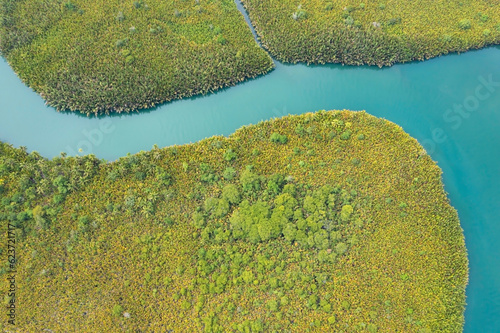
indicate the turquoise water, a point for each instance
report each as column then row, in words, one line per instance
column 420, row 97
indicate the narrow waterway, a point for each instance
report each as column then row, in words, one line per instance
column 242, row 10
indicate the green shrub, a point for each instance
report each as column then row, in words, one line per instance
column 249, row 180
column 231, row 193
column 257, row 326
column 139, row 175
column 349, row 9
column 393, row 21
column 447, row 38
column 229, row 173
column 210, row 204
column 57, row 199
column 221, row 39
column 168, row 221
column 331, row 135
column 486, row 32
column 464, row 24
column 222, row 208
column 230, row 155
column 217, row 30
column 62, row 184
column 185, row 305
column 121, row 42
column 340, row 248
column 23, row 216
column 129, row 60
column 38, row 215
column 198, row 220
column 327, row 307
column 254, row 234
column 207, row 175
column 278, row 138
column 163, row 178
column 381, row 6
column 117, row 310
column 483, row 17
column 312, row 301
column 247, row 276
column 346, row 135
column 346, row 212
column 290, row 189
column 299, row 129
column 70, row 6
column 289, row 232
column 275, row 183
column 273, row 305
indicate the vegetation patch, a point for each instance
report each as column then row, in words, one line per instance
column 355, row 33
column 109, row 56
column 311, row 232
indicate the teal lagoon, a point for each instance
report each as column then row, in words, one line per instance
column 450, row 104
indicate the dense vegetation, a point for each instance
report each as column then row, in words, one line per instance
column 373, row 32
column 325, row 222
column 114, row 56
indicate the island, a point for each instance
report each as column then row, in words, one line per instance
column 378, row 33
column 111, row 57
column 333, row 221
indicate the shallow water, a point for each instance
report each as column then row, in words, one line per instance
column 416, row 96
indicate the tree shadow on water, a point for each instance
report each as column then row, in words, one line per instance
column 162, row 105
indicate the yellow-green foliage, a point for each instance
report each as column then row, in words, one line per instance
column 373, row 32
column 163, row 239
column 105, row 56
